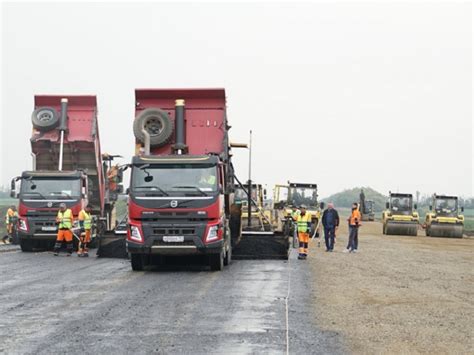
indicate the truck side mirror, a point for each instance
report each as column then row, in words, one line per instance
column 387, row 205
column 321, row 205
column 431, row 208
column 13, row 193
column 127, row 191
column 462, row 209
column 415, row 206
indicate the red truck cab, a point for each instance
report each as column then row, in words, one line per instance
column 182, row 179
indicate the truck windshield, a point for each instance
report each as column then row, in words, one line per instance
column 401, row 204
column 446, row 206
column 51, row 188
column 303, row 196
column 169, row 180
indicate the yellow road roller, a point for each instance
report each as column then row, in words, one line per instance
column 400, row 216
column 445, row 218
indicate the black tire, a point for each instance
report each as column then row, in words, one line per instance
column 427, row 231
column 137, row 262
column 45, row 118
column 157, row 123
column 384, row 231
column 26, row 245
column 228, row 256
column 216, row 261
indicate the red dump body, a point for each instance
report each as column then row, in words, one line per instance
column 81, row 142
column 205, row 117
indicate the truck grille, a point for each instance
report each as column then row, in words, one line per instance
column 174, row 231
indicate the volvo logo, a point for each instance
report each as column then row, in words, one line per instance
column 50, row 204
column 174, row 204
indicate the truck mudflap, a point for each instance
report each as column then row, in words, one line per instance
column 112, row 245
column 187, row 245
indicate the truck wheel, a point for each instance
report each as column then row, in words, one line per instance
column 216, row 261
column 157, row 123
column 228, row 256
column 45, row 118
column 137, row 262
column 26, row 245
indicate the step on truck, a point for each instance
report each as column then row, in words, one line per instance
column 68, row 167
column 182, row 179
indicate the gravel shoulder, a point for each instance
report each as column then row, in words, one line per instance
column 399, row 294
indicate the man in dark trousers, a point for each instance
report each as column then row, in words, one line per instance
column 330, row 224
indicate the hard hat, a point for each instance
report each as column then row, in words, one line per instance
column 303, row 206
column 62, row 204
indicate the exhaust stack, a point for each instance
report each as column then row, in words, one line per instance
column 180, row 146
column 62, row 128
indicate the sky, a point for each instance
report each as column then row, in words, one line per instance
column 339, row 94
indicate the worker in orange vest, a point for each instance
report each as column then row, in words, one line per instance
column 354, row 224
column 112, row 176
column 85, row 222
column 64, row 220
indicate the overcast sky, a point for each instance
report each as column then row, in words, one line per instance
column 339, row 94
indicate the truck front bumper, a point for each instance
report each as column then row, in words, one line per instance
column 192, row 245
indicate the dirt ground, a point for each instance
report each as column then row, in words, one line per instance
column 398, row 294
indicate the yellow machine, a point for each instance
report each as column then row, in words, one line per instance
column 259, row 217
column 444, row 218
column 400, row 216
column 293, row 195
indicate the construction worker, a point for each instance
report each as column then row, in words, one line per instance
column 295, row 212
column 330, row 223
column 85, row 222
column 112, row 176
column 207, row 179
column 64, row 220
column 11, row 218
column 303, row 224
column 354, row 224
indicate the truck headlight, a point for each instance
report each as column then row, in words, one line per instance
column 22, row 225
column 135, row 234
column 212, row 234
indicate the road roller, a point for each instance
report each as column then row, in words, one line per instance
column 400, row 216
column 444, row 218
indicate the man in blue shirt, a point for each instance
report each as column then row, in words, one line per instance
column 330, row 224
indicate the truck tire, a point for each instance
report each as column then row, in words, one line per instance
column 45, row 118
column 26, row 245
column 157, row 123
column 216, row 261
column 137, row 262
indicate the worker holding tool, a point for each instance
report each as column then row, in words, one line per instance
column 354, row 224
column 11, row 218
column 330, row 224
column 64, row 221
column 303, row 223
column 85, row 222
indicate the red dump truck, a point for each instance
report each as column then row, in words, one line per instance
column 67, row 167
column 182, row 179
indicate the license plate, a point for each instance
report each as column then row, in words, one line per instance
column 49, row 229
column 173, row 239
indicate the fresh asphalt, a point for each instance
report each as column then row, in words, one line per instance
column 52, row 305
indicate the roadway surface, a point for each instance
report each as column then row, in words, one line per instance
column 51, row 305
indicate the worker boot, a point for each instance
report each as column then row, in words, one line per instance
column 57, row 247
column 69, row 249
column 300, row 257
